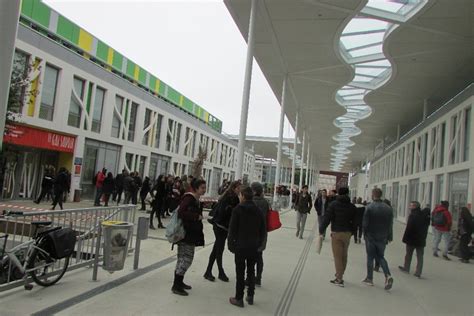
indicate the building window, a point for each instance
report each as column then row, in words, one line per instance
column 19, row 72
column 146, row 124
column 173, row 136
column 129, row 161
column 97, row 111
column 75, row 108
column 116, row 121
column 132, row 124
column 159, row 122
column 48, row 93
column 467, row 134
column 443, row 144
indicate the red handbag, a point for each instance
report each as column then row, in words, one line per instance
column 273, row 220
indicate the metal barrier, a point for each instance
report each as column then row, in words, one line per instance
column 85, row 222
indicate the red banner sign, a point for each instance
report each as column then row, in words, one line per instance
column 31, row 137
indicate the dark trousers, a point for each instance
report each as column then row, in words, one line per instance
column 106, row 199
column 155, row 211
column 358, row 232
column 134, row 198
column 464, row 246
column 44, row 192
column 419, row 258
column 259, row 265
column 58, row 199
column 376, row 251
column 142, row 198
column 118, row 195
column 217, row 250
column 98, row 195
column 245, row 258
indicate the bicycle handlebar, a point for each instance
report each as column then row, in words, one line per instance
column 14, row 213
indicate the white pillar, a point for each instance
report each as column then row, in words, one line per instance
column 293, row 162
column 280, row 137
column 246, row 93
column 9, row 17
column 307, row 164
column 302, row 160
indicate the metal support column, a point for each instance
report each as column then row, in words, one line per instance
column 293, row 162
column 307, row 163
column 246, row 93
column 302, row 160
column 280, row 138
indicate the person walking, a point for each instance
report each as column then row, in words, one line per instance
column 108, row 188
column 119, row 186
column 321, row 205
column 145, row 189
column 221, row 219
column 60, row 186
column 158, row 195
column 128, row 189
column 264, row 207
column 46, row 185
column 465, row 227
column 341, row 215
column 414, row 237
column 136, row 185
column 190, row 212
column 378, row 231
column 247, row 233
column 359, row 216
column 303, row 208
column 441, row 221
column 99, row 182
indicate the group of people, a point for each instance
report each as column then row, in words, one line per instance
column 55, row 186
column 238, row 217
column 374, row 221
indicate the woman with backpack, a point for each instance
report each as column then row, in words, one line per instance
column 190, row 212
column 221, row 220
column 158, row 194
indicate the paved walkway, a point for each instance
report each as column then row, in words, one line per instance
column 295, row 282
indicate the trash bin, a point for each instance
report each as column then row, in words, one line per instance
column 117, row 236
column 77, row 195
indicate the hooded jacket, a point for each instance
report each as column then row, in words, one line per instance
column 417, row 228
column 448, row 218
column 247, row 227
column 341, row 214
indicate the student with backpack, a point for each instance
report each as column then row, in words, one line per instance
column 221, row 219
column 441, row 220
column 190, row 213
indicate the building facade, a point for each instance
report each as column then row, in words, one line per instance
column 85, row 114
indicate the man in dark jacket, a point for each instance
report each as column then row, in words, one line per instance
column 119, row 186
column 341, row 214
column 321, row 205
column 303, row 208
column 46, row 185
column 264, row 207
column 128, row 189
column 378, row 231
column 60, row 186
column 415, row 237
column 246, row 235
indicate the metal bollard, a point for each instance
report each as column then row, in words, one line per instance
column 142, row 234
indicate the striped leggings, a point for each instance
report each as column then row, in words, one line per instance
column 185, row 258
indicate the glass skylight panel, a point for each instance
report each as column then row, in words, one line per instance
column 377, row 63
column 367, row 51
column 362, row 39
column 354, row 97
column 362, row 79
column 369, row 71
column 392, row 6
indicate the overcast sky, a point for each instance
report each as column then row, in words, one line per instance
column 192, row 45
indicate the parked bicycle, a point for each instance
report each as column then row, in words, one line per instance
column 45, row 257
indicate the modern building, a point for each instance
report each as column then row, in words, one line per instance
column 89, row 107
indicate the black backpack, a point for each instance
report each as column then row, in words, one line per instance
column 439, row 219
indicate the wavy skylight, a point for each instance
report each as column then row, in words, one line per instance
column 361, row 46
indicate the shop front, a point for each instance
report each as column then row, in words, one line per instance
column 29, row 152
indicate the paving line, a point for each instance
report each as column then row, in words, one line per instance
column 288, row 294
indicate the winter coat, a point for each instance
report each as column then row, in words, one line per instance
column 318, row 205
column 448, row 218
column 341, row 213
column 119, row 182
column 247, row 227
column 47, row 182
column 108, row 186
column 264, row 207
column 145, row 188
column 100, row 177
column 158, row 193
column 224, row 211
column 378, row 222
column 465, row 225
column 417, row 228
column 128, row 184
column 61, row 183
column 189, row 211
column 304, row 203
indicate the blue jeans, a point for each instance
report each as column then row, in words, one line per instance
column 98, row 195
column 375, row 251
column 438, row 235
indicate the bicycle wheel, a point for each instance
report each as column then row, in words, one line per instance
column 46, row 270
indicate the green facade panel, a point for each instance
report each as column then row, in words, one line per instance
column 162, row 89
column 41, row 13
column 117, row 61
column 142, row 76
column 102, row 51
column 173, row 95
column 152, row 83
column 66, row 29
column 188, row 105
column 27, row 8
column 130, row 68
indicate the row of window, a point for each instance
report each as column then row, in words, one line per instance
column 86, row 107
column 430, row 150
